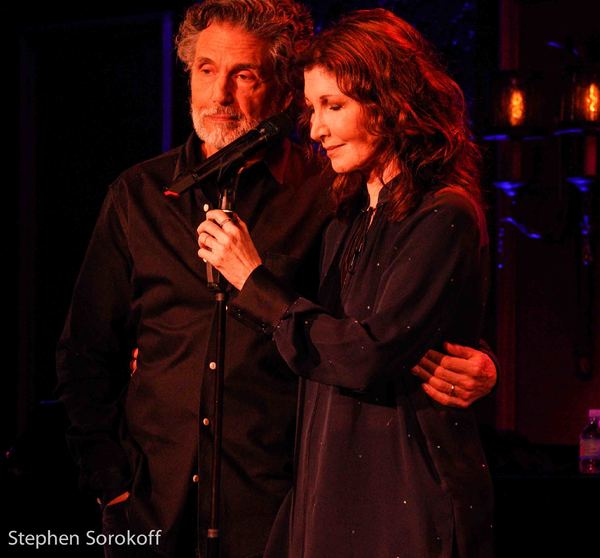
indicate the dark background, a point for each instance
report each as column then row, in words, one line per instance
column 95, row 87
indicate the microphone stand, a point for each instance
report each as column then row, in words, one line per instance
column 219, row 286
column 226, row 164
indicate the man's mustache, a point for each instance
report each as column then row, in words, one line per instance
column 220, row 112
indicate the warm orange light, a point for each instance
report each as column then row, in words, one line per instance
column 516, row 107
column 591, row 102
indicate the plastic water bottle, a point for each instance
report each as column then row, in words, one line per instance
column 589, row 445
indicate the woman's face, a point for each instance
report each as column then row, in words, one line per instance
column 338, row 123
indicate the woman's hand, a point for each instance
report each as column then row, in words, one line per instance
column 225, row 243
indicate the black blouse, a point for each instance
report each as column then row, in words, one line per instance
column 382, row 469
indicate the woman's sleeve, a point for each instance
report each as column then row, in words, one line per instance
column 418, row 297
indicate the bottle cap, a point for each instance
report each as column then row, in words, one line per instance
column 594, row 413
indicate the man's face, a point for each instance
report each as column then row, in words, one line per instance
column 232, row 86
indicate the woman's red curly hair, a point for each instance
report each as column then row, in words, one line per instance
column 410, row 102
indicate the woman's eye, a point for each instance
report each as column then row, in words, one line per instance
column 335, row 107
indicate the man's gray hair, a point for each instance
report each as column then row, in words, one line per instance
column 285, row 24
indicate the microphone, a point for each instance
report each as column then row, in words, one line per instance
column 234, row 155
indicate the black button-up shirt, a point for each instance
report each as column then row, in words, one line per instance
column 142, row 284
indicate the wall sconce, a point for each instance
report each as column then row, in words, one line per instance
column 581, row 99
column 580, row 126
column 579, row 137
column 579, row 132
column 514, row 106
column 515, row 119
column 516, row 127
column 515, row 130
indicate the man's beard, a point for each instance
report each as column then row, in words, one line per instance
column 220, row 134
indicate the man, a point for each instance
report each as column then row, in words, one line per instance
column 143, row 443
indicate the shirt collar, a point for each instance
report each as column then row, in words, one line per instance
column 277, row 160
column 386, row 191
column 191, row 156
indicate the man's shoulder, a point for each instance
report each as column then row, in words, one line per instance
column 302, row 159
column 308, row 172
column 157, row 171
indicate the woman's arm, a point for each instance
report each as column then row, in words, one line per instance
column 415, row 305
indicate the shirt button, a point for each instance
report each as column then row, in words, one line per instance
column 206, row 207
column 212, row 365
column 205, row 421
column 196, row 478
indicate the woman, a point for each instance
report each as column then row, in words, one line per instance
column 382, row 470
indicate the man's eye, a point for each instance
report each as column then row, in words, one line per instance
column 245, row 77
column 205, row 70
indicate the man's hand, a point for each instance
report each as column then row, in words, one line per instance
column 120, row 498
column 457, row 379
column 117, row 500
column 133, row 361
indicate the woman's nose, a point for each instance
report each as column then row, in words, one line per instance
column 318, row 129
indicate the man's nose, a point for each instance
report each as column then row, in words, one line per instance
column 222, row 92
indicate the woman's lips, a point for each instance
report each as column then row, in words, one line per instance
column 331, row 149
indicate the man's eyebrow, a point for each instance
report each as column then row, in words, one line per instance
column 241, row 66
column 247, row 66
column 203, row 60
